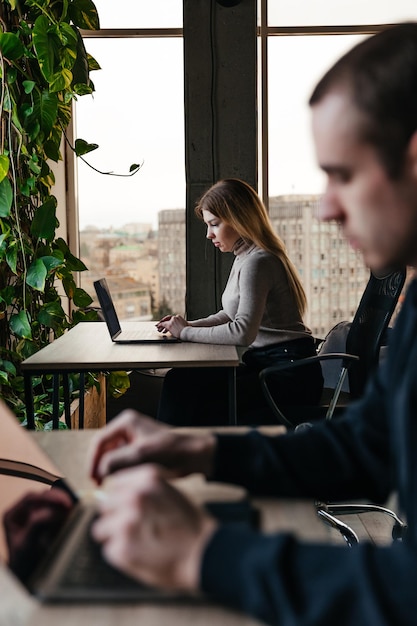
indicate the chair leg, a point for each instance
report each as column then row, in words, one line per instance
column 347, row 533
column 399, row 529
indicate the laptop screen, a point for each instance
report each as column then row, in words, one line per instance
column 107, row 306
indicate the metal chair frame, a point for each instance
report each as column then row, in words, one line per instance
column 363, row 343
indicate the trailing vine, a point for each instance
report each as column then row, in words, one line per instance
column 44, row 67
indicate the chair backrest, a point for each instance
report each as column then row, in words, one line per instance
column 369, row 325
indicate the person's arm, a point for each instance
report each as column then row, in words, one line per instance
column 133, row 439
column 152, row 532
column 348, row 457
column 176, row 323
column 284, row 582
column 256, row 279
column 211, row 320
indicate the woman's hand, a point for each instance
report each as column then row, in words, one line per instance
column 133, row 438
column 173, row 324
column 150, row 531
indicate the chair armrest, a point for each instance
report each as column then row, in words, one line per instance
column 347, row 359
column 350, row 358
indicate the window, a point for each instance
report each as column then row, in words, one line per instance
column 132, row 229
column 136, row 116
column 300, row 40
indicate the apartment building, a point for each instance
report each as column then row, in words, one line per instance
column 334, row 276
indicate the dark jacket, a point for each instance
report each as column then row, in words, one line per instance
column 368, row 453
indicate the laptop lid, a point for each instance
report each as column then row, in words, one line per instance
column 139, row 332
column 107, row 307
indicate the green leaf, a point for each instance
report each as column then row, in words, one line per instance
column 7, row 295
column 134, row 167
column 92, row 63
column 81, row 89
column 60, row 81
column 50, row 262
column 44, row 222
column 28, row 86
column 84, row 316
column 4, row 166
column 72, row 263
column 51, row 315
column 8, row 366
column 27, row 186
column 20, row 324
column 11, row 257
column 118, row 383
column 10, row 46
column 82, row 298
column 84, row 14
column 69, row 285
column 52, row 150
column 80, row 69
column 26, row 347
column 6, row 197
column 47, row 45
column 34, row 164
column 45, row 110
column 58, row 254
column 82, row 147
column 36, row 275
column 68, row 36
column 11, row 75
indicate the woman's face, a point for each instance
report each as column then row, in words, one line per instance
column 221, row 234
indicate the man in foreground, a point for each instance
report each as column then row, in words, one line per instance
column 364, row 115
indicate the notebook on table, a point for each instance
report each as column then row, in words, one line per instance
column 140, row 334
column 68, row 567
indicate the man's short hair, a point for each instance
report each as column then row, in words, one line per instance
column 380, row 75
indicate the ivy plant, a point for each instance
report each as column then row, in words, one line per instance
column 44, row 67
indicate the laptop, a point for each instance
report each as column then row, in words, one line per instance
column 71, row 568
column 141, row 333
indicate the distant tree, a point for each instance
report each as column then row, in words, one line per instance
column 162, row 309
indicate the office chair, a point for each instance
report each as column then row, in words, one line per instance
column 364, row 339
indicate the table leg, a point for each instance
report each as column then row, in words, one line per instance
column 67, row 403
column 232, row 397
column 55, row 401
column 81, row 404
column 30, row 412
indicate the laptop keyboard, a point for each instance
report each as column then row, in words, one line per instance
column 141, row 334
column 88, row 569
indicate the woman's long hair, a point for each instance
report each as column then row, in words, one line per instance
column 235, row 202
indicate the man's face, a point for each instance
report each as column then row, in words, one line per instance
column 378, row 215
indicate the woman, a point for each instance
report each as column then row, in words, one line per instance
column 263, row 306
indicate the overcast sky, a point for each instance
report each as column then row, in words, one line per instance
column 136, row 113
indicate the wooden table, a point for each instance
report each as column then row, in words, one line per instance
column 69, row 451
column 88, row 348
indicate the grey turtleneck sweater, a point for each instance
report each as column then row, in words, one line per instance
column 258, row 307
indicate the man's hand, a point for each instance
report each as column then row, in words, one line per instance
column 150, row 531
column 133, row 438
column 31, row 525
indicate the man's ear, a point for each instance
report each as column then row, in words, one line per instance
column 412, row 154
